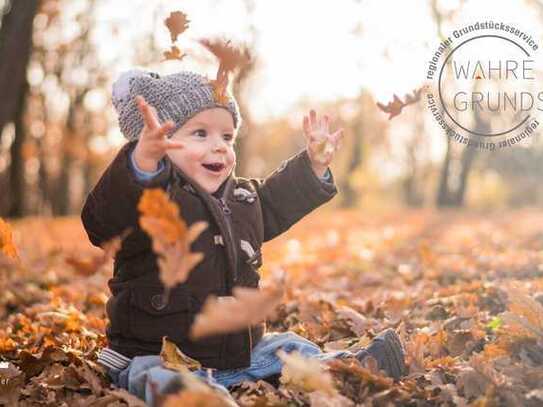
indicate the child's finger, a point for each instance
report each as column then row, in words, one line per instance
column 149, row 118
column 164, row 129
column 338, row 136
column 326, row 124
column 313, row 118
column 307, row 129
column 173, row 145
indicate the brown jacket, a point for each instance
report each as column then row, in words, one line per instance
column 250, row 212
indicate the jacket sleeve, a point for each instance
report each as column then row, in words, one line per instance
column 290, row 192
column 111, row 207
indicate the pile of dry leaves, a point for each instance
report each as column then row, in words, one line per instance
column 464, row 292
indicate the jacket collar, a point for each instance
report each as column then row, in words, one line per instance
column 185, row 181
column 212, row 201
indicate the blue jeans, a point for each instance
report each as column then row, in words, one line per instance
column 136, row 377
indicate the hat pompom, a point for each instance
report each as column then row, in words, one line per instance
column 121, row 87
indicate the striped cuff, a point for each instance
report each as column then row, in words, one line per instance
column 113, row 360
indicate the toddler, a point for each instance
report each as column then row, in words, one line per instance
column 181, row 139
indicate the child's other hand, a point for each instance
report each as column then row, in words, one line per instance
column 152, row 143
column 321, row 145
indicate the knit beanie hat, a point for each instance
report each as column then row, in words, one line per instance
column 176, row 97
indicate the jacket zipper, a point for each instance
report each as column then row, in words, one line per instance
column 227, row 212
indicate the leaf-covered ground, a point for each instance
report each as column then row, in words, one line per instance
column 464, row 290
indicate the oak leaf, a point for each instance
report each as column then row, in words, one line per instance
column 395, row 107
column 230, row 58
column 248, row 306
column 174, row 53
column 173, row 358
column 177, row 23
column 171, row 236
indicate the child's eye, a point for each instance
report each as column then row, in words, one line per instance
column 200, row 133
column 228, row 137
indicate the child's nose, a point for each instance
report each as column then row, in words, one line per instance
column 220, row 145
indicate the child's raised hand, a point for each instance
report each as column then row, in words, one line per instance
column 152, row 143
column 321, row 145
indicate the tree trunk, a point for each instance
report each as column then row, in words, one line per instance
column 61, row 200
column 16, row 169
column 444, row 193
column 15, row 49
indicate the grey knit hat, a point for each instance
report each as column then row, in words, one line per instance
column 176, row 97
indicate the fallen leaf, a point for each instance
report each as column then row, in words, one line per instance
column 173, row 358
column 129, row 398
column 7, row 247
column 195, row 398
column 11, row 380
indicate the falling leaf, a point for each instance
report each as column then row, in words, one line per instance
column 230, row 58
column 89, row 266
column 304, row 373
column 247, row 307
column 7, row 247
column 174, row 53
column 177, row 23
column 395, row 107
column 170, row 235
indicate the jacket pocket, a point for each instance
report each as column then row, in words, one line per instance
column 152, row 316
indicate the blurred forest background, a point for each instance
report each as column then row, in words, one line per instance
column 58, row 129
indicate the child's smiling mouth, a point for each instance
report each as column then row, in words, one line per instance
column 214, row 167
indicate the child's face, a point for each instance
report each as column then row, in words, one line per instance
column 208, row 156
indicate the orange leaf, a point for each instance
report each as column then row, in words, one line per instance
column 171, row 236
column 7, row 247
column 247, row 307
column 174, row 53
column 177, row 23
column 230, row 59
column 395, row 107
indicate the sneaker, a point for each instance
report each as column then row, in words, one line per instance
column 387, row 350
